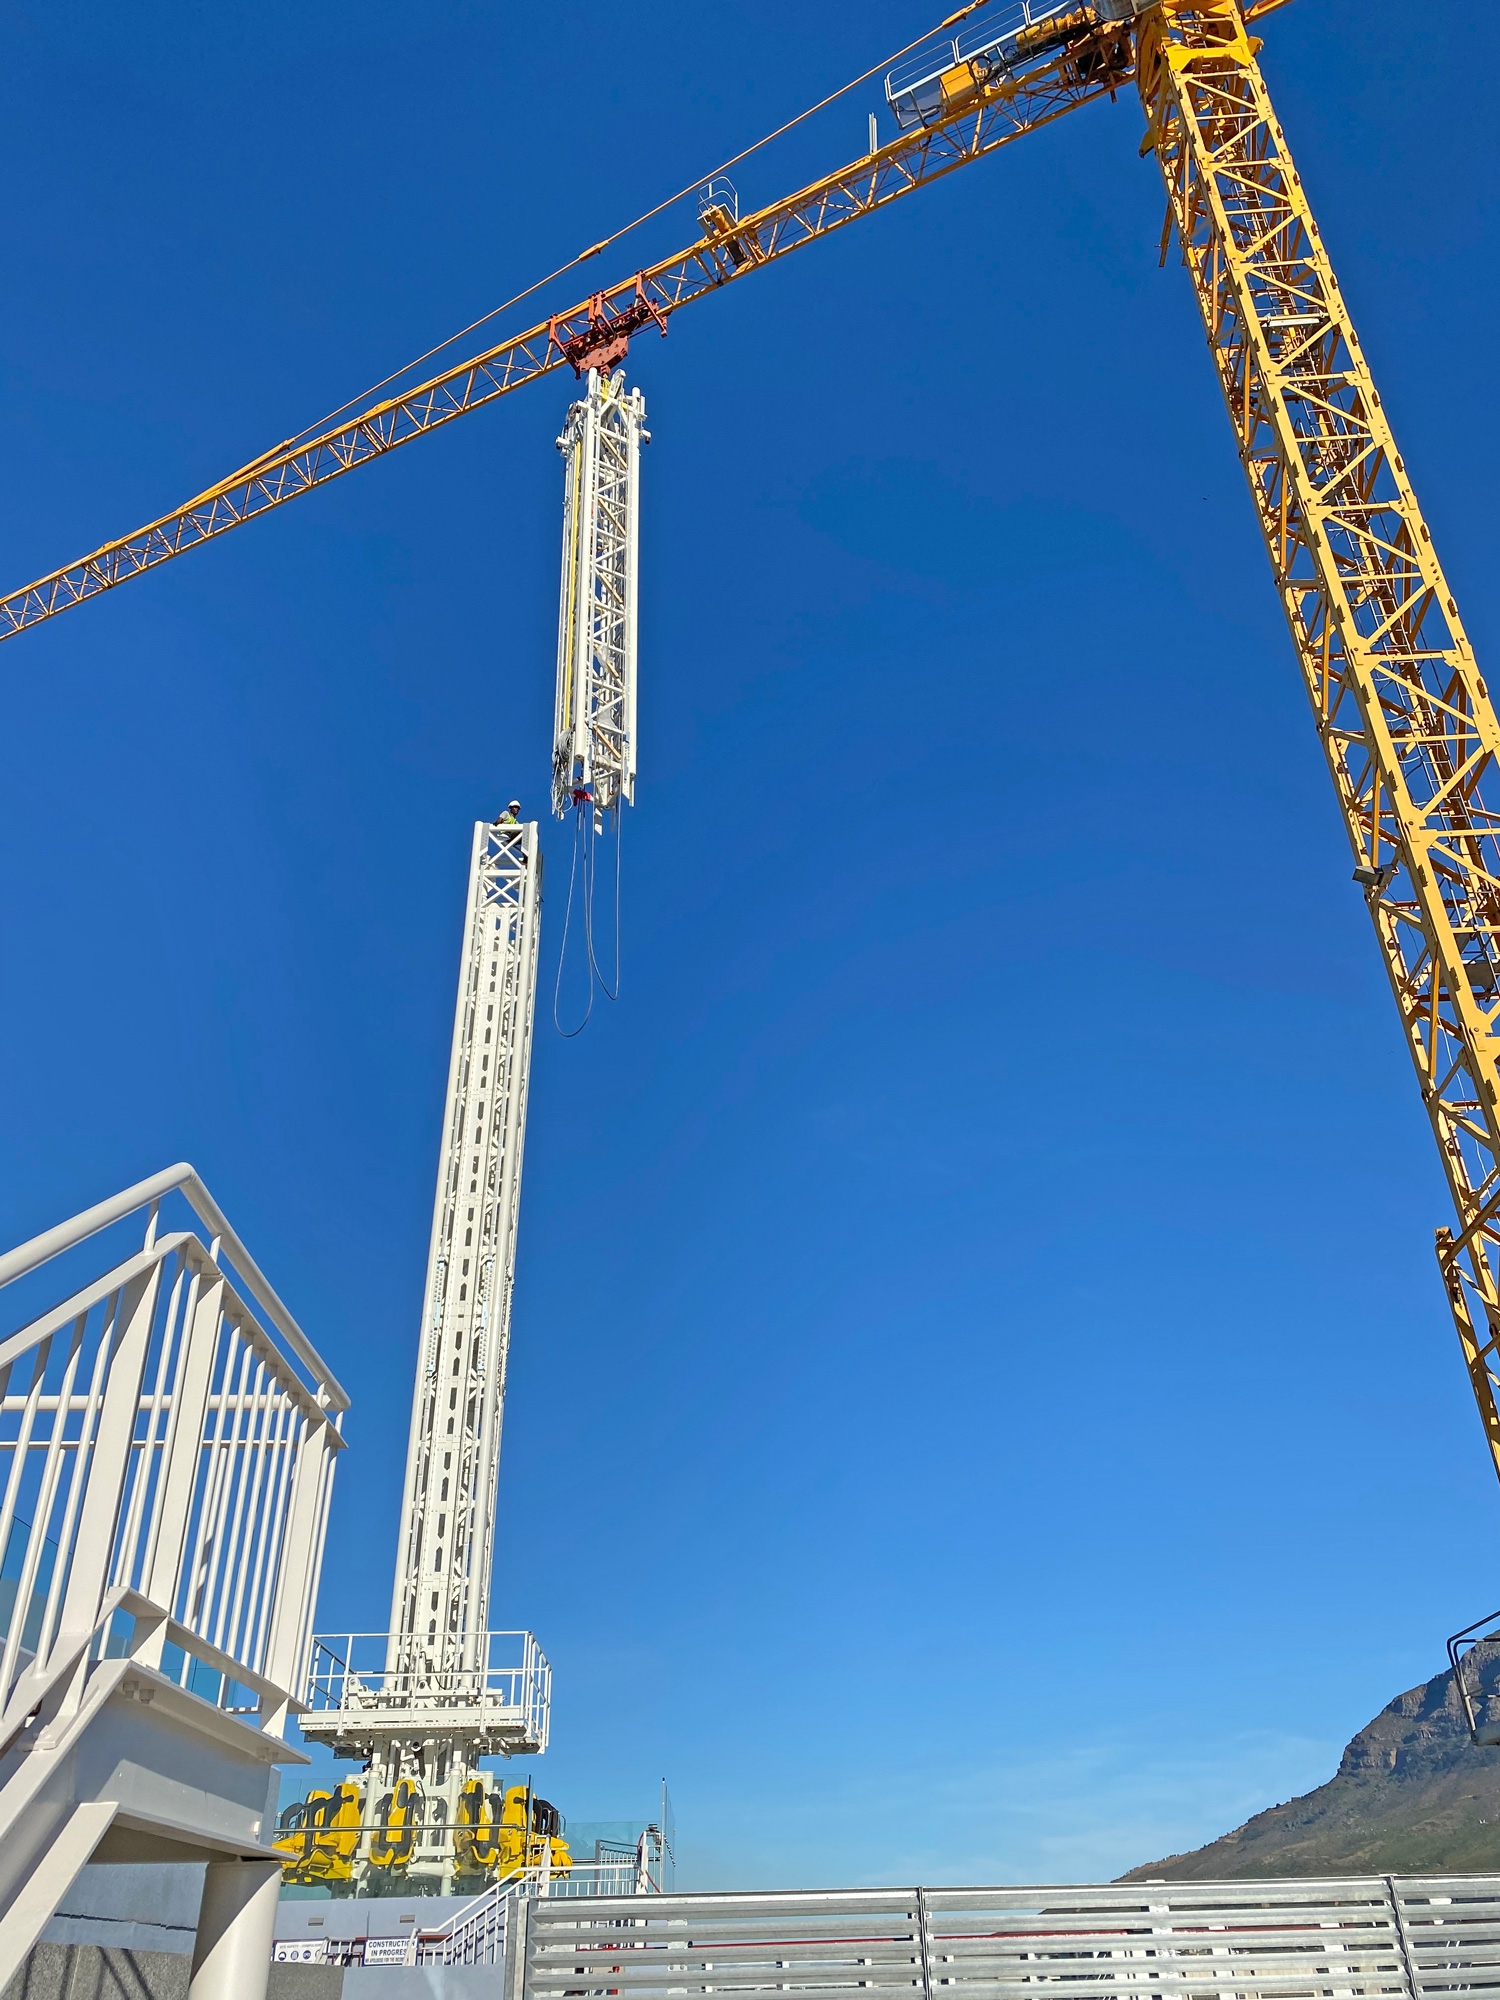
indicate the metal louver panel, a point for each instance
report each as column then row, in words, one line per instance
column 1359, row 1939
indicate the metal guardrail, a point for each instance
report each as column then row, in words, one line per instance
column 911, row 88
column 473, row 1935
column 165, row 1467
column 385, row 1681
column 148, row 1195
column 476, row 1936
column 1366, row 1938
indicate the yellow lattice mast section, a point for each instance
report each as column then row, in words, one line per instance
column 1402, row 711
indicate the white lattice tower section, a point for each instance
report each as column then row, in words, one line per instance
column 594, row 745
column 440, row 1607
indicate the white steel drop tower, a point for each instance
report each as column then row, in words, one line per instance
column 440, row 1604
column 423, row 1702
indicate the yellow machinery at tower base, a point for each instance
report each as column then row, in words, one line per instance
column 496, row 1837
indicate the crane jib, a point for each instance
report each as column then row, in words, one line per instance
column 1094, row 67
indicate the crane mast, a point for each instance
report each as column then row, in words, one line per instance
column 1404, row 715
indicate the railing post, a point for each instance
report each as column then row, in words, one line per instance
column 149, row 1638
column 517, row 1946
column 184, row 1448
column 1403, row 1939
column 105, row 1463
column 289, row 1638
column 923, row 1944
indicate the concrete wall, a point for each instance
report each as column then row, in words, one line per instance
column 113, row 1972
column 101, row 1972
column 305, row 1982
column 130, row 1906
column 125, row 1931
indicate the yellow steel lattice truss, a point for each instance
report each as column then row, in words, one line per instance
column 1404, row 716
column 597, row 329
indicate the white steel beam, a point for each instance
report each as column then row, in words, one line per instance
column 595, row 740
column 440, row 1606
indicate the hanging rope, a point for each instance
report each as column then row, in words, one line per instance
column 604, row 988
column 562, row 957
column 594, row 249
column 585, row 848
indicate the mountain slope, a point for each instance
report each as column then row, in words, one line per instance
column 1411, row 1795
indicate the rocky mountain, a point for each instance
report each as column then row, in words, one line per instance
column 1412, row 1794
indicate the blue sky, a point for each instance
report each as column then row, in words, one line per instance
column 982, row 1407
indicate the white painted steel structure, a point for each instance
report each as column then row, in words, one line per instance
column 1375, row 1937
column 167, row 1442
column 594, row 744
column 440, row 1605
column 426, row 1700
column 501, row 1701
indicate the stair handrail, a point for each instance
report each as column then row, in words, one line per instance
column 182, row 1178
column 172, row 1481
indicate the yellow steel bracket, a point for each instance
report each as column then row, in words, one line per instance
column 1158, row 50
column 1239, row 48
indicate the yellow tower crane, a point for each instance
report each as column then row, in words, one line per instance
column 1400, row 707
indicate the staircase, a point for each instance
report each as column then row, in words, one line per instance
column 167, row 1443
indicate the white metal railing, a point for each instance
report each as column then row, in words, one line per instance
column 475, row 1935
column 166, row 1462
column 719, row 192
column 618, row 1876
column 509, row 1687
column 911, row 88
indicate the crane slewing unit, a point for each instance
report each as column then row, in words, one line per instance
column 423, row 1702
column 593, row 753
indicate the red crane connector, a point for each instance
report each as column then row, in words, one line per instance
column 605, row 339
